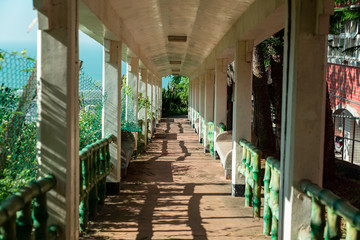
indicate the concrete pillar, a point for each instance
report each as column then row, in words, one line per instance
column 197, row 104
column 209, row 101
column 241, row 109
column 220, row 102
column 303, row 113
column 133, row 82
column 192, row 93
column 202, row 105
column 156, row 99
column 194, row 102
column 149, row 94
column 58, row 109
column 160, row 98
column 189, row 102
column 111, row 120
column 143, row 90
column 195, row 94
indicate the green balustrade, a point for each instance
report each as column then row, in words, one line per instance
column 336, row 208
column 95, row 167
column 26, row 210
column 271, row 197
column 211, row 137
column 250, row 169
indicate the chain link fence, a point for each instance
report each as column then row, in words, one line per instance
column 18, row 118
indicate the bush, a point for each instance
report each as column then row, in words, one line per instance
column 175, row 97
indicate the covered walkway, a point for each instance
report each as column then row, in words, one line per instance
column 175, row 191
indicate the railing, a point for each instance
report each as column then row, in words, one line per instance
column 271, row 197
column 336, row 207
column 95, row 167
column 250, row 169
column 26, row 210
column 211, row 137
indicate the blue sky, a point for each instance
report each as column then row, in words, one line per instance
column 15, row 18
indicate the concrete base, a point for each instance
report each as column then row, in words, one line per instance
column 238, row 190
column 112, row 188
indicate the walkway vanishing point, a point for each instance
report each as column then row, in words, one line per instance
column 175, row 191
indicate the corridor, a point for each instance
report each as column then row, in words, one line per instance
column 175, row 191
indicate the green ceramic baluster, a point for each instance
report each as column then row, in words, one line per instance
column 317, row 219
column 267, row 210
column 274, row 200
column 248, row 190
column 332, row 229
column 351, row 232
column 10, row 228
column 93, row 189
column 24, row 222
column 257, row 182
column 102, row 183
column 40, row 217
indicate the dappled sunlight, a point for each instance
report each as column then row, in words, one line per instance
column 175, row 190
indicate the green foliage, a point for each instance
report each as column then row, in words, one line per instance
column 340, row 17
column 21, row 165
column 91, row 102
column 128, row 117
column 144, row 102
column 89, row 123
column 175, row 97
column 20, row 158
column 272, row 46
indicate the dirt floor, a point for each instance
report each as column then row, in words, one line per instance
column 175, row 191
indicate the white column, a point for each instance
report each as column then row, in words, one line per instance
column 156, row 99
column 220, row 95
column 189, row 102
column 149, row 94
column 197, row 98
column 303, row 113
column 160, row 98
column 209, row 101
column 195, row 94
column 143, row 90
column 133, row 82
column 202, row 104
column 192, row 104
column 241, row 110
column 111, row 119
column 58, row 109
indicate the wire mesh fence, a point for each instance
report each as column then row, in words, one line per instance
column 128, row 115
column 18, row 129
column 18, row 118
column 91, row 102
column 347, row 138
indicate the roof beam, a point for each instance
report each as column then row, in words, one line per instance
column 261, row 20
column 99, row 16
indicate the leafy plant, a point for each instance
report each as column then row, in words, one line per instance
column 175, row 97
